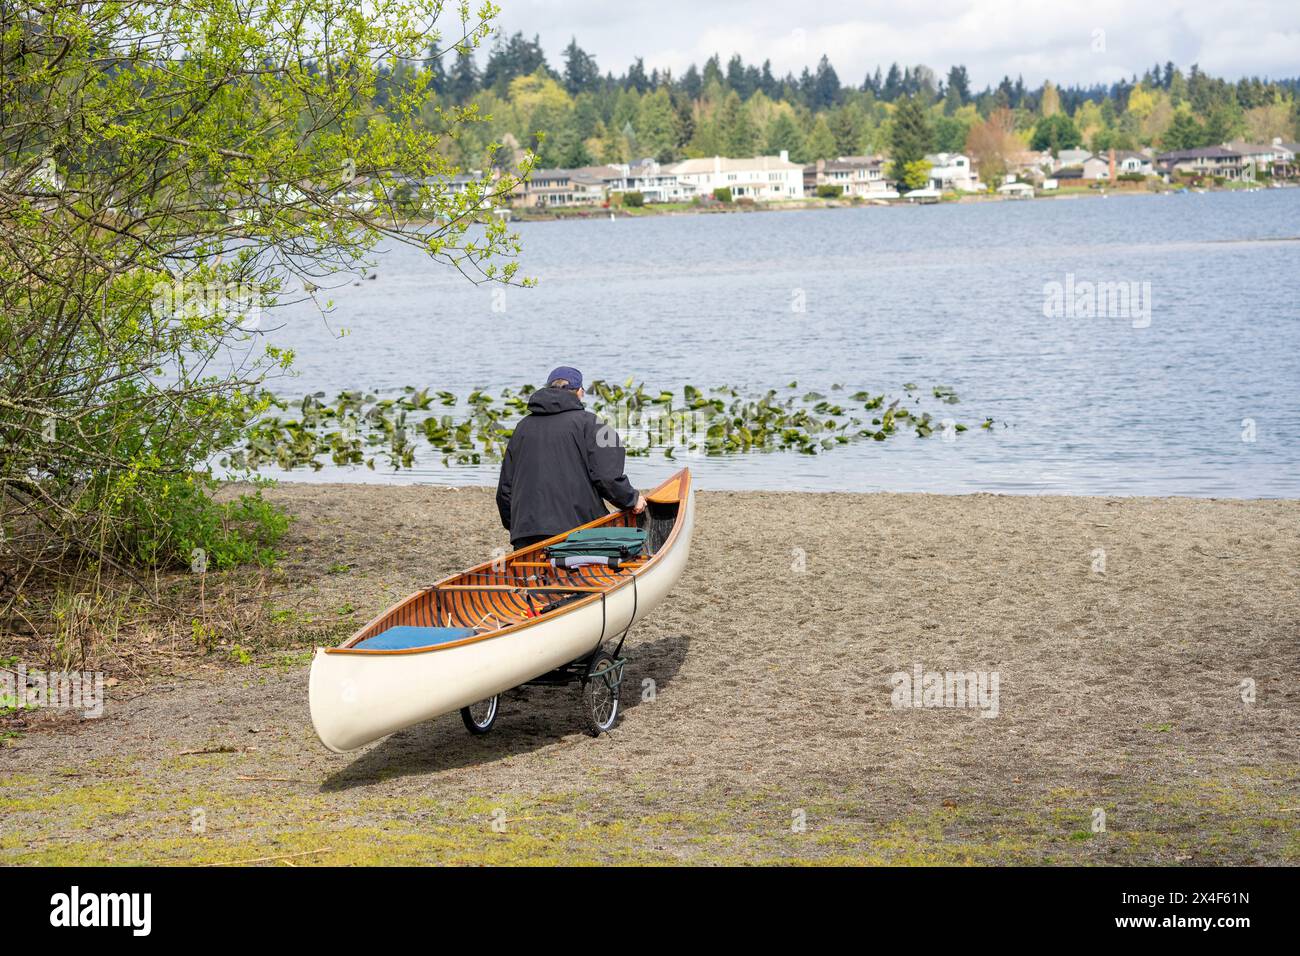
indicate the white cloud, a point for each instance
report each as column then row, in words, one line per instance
column 991, row 37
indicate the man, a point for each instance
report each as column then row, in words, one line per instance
column 560, row 463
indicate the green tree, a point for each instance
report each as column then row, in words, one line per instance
column 916, row 174
column 1056, row 132
column 847, row 125
column 784, row 134
column 958, row 92
column 1221, row 125
column 172, row 173
column 820, row 143
column 910, row 135
column 950, row 134
column 580, row 70
column 656, row 126
column 739, row 134
column 1184, row 132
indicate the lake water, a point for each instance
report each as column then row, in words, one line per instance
column 1153, row 404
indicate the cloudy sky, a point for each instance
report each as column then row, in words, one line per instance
column 1067, row 41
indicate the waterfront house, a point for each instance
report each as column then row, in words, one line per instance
column 458, row 184
column 1071, row 157
column 761, row 178
column 1274, row 158
column 1096, row 168
column 1031, row 164
column 550, row 188
column 1090, row 169
column 1285, row 166
column 1129, row 161
column 591, row 184
column 1207, row 161
column 952, row 171
column 647, row 177
column 860, row 176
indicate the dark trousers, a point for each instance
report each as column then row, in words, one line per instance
column 526, row 540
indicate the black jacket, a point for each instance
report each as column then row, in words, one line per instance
column 560, row 462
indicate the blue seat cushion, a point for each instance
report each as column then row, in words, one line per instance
column 405, row 635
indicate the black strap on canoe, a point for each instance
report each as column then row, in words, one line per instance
column 602, row 621
column 630, row 622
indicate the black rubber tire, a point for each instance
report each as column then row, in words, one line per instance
column 601, row 697
column 480, row 726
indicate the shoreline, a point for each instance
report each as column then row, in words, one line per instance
column 815, row 203
column 367, row 479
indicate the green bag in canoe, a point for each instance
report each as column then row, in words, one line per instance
column 619, row 543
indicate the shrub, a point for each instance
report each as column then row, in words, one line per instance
column 185, row 523
column 829, row 191
column 633, row 200
column 722, row 194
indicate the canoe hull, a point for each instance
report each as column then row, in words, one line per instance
column 358, row 698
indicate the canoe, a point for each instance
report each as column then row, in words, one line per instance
column 493, row 627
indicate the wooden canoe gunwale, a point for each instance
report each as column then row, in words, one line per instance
column 665, row 493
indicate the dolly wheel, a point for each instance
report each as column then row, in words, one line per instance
column 481, row 717
column 600, row 694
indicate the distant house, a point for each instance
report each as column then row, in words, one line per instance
column 549, row 188
column 1276, row 158
column 1031, row 164
column 827, row 172
column 1128, row 161
column 456, row 185
column 861, row 176
column 1090, row 168
column 1071, row 157
column 1095, row 167
column 1287, row 164
column 762, row 178
column 1207, row 161
column 656, row 183
column 952, row 171
column 590, row 185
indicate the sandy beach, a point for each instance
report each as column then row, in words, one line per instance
column 1145, row 653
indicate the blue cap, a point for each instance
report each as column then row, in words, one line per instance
column 567, row 374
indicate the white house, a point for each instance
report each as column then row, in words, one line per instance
column 656, row 183
column 1127, row 161
column 762, row 178
column 952, row 171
